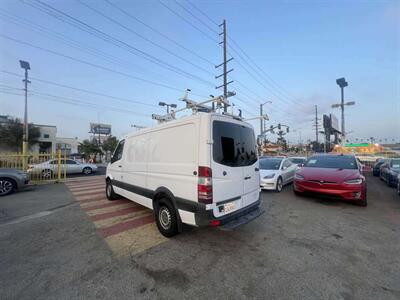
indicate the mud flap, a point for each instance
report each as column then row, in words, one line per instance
column 242, row 219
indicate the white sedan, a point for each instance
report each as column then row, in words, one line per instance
column 48, row 168
column 275, row 172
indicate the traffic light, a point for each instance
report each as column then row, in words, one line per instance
column 287, row 129
column 279, row 126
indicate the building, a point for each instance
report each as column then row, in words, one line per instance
column 47, row 140
column 67, row 146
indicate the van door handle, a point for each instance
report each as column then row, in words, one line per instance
column 247, row 177
column 119, row 166
column 256, row 169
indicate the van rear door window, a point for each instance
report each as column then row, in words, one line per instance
column 234, row 145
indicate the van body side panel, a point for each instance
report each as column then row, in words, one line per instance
column 173, row 159
column 135, row 168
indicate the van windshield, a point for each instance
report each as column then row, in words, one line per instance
column 234, row 144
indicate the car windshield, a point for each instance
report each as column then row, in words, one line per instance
column 297, row 160
column 395, row 164
column 270, row 163
column 333, row 162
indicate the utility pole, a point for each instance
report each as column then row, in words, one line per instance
column 25, row 136
column 224, row 65
column 261, row 120
column 316, row 123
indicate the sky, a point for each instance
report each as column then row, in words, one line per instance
column 131, row 55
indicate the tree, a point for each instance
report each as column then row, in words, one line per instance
column 110, row 144
column 89, row 148
column 11, row 134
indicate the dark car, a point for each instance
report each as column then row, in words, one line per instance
column 337, row 176
column 11, row 180
column 390, row 171
column 398, row 184
column 376, row 169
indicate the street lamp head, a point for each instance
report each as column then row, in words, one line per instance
column 161, row 103
column 173, row 105
column 350, row 103
column 341, row 82
column 24, row 65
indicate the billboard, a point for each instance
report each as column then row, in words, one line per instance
column 334, row 123
column 98, row 128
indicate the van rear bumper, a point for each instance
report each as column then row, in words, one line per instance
column 232, row 220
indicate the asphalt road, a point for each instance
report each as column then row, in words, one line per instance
column 301, row 248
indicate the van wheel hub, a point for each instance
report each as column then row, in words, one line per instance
column 164, row 216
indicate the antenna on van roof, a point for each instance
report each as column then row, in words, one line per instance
column 216, row 102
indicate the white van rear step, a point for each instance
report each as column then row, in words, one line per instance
column 242, row 219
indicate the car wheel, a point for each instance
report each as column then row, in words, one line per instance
column 111, row 195
column 279, row 185
column 7, row 186
column 362, row 202
column 47, row 173
column 389, row 182
column 166, row 218
column 87, row 170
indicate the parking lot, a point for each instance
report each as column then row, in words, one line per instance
column 66, row 241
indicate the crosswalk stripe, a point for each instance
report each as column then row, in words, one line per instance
column 93, row 196
column 118, row 219
column 100, row 185
column 120, row 227
column 116, row 213
column 114, row 203
column 93, row 200
column 89, row 192
column 85, row 185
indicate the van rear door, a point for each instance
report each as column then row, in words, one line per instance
column 233, row 158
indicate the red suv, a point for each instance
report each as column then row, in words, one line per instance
column 338, row 176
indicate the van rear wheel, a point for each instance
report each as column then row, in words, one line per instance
column 166, row 218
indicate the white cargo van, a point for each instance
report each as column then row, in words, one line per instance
column 198, row 170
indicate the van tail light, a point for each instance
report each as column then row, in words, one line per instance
column 204, row 185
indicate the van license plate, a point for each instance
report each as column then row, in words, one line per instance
column 228, row 207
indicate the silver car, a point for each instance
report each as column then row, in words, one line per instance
column 70, row 166
column 275, row 172
column 12, row 180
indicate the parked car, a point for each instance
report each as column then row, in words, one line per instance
column 50, row 167
column 390, row 170
column 338, row 176
column 275, row 172
column 377, row 166
column 12, row 180
column 299, row 161
column 200, row 170
column 398, row 185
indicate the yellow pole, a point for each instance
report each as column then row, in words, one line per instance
column 65, row 165
column 25, row 156
column 59, row 165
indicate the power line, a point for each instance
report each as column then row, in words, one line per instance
column 94, row 65
column 145, row 38
column 83, row 90
column 159, row 33
column 245, row 61
column 80, row 102
column 43, row 31
column 50, row 10
column 188, row 22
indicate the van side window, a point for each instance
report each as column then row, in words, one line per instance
column 118, row 151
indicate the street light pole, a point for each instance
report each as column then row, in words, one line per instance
column 261, row 119
column 25, row 136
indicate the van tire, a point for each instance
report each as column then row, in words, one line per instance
column 111, row 195
column 166, row 217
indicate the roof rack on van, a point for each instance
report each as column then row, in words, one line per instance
column 216, row 102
